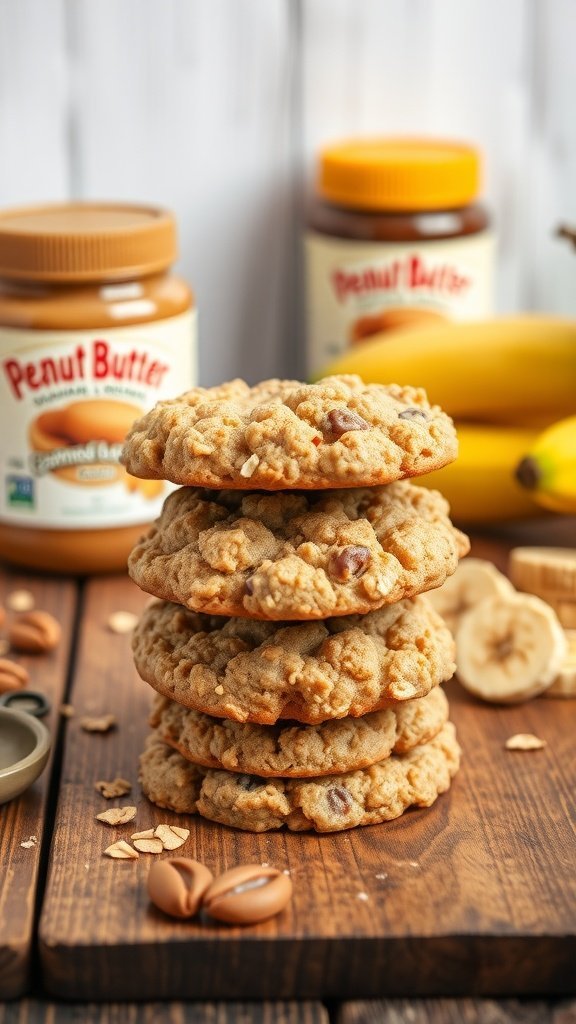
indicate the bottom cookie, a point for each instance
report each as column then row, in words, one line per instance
column 332, row 803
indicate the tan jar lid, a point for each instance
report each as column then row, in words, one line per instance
column 85, row 241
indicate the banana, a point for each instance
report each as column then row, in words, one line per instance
column 550, row 573
column 496, row 371
column 565, row 683
column 509, row 648
column 548, row 469
column 474, row 579
column 480, row 486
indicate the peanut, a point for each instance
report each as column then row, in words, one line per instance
column 34, row 632
column 12, row 676
column 176, row 885
column 247, row 894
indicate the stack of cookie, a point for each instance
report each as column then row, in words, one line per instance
column 296, row 666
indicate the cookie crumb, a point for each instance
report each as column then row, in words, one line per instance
column 219, row 689
column 20, row 601
column 122, row 622
column 117, row 815
column 109, row 790
column 100, row 723
column 524, row 741
column 362, row 896
column 66, row 711
column 121, row 851
column 29, row 843
column 381, row 876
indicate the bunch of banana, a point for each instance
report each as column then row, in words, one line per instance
column 504, row 381
column 548, row 470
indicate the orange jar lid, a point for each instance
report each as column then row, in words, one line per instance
column 399, row 174
column 85, row 241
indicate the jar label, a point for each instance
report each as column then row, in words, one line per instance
column 357, row 289
column 67, row 401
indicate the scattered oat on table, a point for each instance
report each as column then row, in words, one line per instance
column 149, row 845
column 524, row 741
column 117, row 815
column 122, row 622
column 20, row 601
column 171, row 836
column 109, row 790
column 101, row 723
column 121, row 851
column 148, row 833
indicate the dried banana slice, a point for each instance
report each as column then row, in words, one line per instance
column 565, row 683
column 550, row 573
column 474, row 579
column 509, row 648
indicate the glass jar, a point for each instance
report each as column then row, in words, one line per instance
column 395, row 238
column 94, row 330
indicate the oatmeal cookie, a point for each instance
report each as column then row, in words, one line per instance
column 297, row 555
column 253, row 671
column 339, row 432
column 328, row 803
column 339, row 745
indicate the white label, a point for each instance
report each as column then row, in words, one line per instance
column 356, row 289
column 67, row 400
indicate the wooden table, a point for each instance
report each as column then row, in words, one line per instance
column 475, row 897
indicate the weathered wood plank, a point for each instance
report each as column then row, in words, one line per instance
column 475, row 895
column 27, row 816
column 35, row 86
column 456, row 1011
column 39, row 1012
column 195, row 111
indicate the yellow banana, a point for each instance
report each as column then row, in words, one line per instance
column 548, row 468
column 508, row 370
column 480, row 486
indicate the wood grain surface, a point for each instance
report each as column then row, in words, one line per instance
column 27, row 816
column 38, row 1012
column 476, row 895
column 456, row 1011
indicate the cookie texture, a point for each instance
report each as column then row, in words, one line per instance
column 339, row 745
column 255, row 671
column 297, row 555
column 282, row 433
column 329, row 803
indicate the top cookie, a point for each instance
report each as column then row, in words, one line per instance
column 284, row 434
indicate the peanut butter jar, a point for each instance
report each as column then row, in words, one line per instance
column 395, row 239
column 94, row 330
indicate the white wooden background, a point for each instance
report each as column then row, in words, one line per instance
column 216, row 107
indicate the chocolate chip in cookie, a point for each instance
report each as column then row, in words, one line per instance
column 350, row 563
column 340, row 421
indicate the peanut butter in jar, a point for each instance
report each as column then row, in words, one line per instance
column 396, row 239
column 94, row 330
